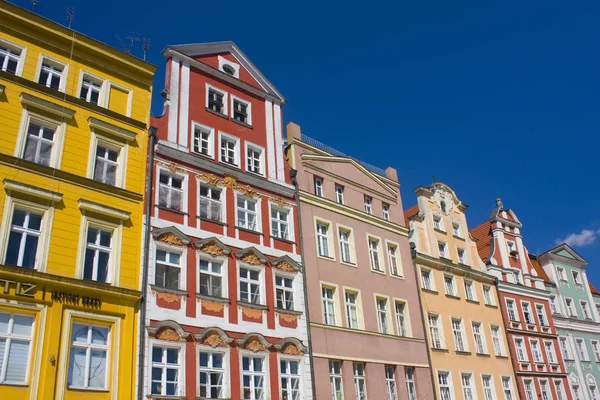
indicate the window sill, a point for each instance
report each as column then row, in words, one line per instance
column 14, row 384
column 278, row 239
column 289, row 312
column 259, row 174
column 465, row 353
column 167, row 290
column 440, row 231
column 241, row 123
column 158, row 397
column 502, row 356
column 170, row 210
column 207, row 156
column 377, row 271
column 232, row 165
column 218, row 114
column 451, row 296
column 430, row 291
column 472, row 301
column 213, row 221
column 223, row 300
column 248, row 230
column 458, row 237
column 350, row 264
column 252, row 305
column 439, row 349
column 326, row 257
column 483, row 354
column 397, row 276
column 491, row 305
column 87, row 390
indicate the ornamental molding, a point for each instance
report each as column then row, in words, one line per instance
column 171, row 235
column 251, row 312
column 213, row 306
column 252, row 256
column 291, row 346
column 254, row 342
column 212, row 246
column 167, row 297
column 214, row 337
column 169, row 331
column 173, row 167
column 286, row 264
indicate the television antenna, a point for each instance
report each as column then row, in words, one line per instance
column 132, row 42
column 34, row 3
column 70, row 15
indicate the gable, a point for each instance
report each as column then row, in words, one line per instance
column 564, row 250
column 565, row 253
column 213, row 61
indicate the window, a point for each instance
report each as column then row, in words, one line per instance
column 229, row 68
column 409, row 377
column 386, row 211
column 401, row 318
column 106, row 165
column 241, row 111
column 382, row 315
column 250, row 286
column 536, row 351
column 390, row 382
column 487, row 295
column 97, row 254
column 210, row 203
column 561, row 273
column 393, row 260
column 39, row 143
column 529, row 389
column 434, row 331
column 449, row 285
column 211, row 278
column 479, row 338
column 527, row 313
column 550, row 354
column 254, row 156
column 345, row 246
column 462, row 256
column 564, row 348
column 541, row 314
column 488, row 387
column 335, row 380
column 280, row 223
column 229, row 150
column 456, row 229
column 318, row 187
column 50, row 74
column 470, row 291
column 553, row 306
column 570, row 308
column 170, row 191
column 521, row 353
column 560, row 394
column 203, row 142
column 374, row 254
column 593, row 392
column 168, row 269
column 90, row 89
column 437, row 223
column 426, row 279
column 216, row 101
column 596, row 350
column 586, row 310
column 445, row 385
column 442, row 249
column 246, row 213
column 89, row 357
column 9, row 58
column 323, row 239
column 360, row 381
column 25, row 231
column 544, row 391
column 575, row 390
column 290, row 379
column 339, row 194
column 284, row 292
column 253, row 378
column 457, row 331
column 352, row 309
column 212, row 375
column 497, row 340
column 512, row 250
column 328, row 305
column 507, row 388
column 581, row 350
column 16, row 334
column 467, row 386
column 576, row 277
column 512, row 311
column 368, row 207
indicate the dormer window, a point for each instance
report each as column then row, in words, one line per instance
column 229, row 67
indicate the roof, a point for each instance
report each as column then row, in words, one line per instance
column 482, row 235
column 199, row 49
column 593, row 289
column 538, row 268
column 411, row 212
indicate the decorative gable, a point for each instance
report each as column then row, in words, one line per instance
column 171, row 235
column 285, row 264
column 212, row 246
column 564, row 250
column 252, row 256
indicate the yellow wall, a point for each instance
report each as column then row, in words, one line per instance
column 127, row 98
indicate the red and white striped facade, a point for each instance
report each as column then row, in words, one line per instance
column 225, row 298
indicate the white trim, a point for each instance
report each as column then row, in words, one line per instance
column 290, row 222
column 278, row 142
column 224, row 261
column 251, row 146
column 91, row 206
column 22, row 55
column 97, row 139
column 236, row 157
column 51, row 60
column 300, row 360
column 102, row 96
column 184, row 109
column 184, row 187
column 173, row 99
column 266, row 367
column 181, row 346
column 271, row 167
column 226, row 352
column 225, row 100
column 211, row 139
column 261, row 281
column 59, row 126
column 236, row 67
column 33, row 191
column 248, row 121
column 258, row 202
column 182, row 251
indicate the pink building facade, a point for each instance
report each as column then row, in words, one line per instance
column 366, row 329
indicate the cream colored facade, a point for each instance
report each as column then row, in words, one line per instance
column 465, row 329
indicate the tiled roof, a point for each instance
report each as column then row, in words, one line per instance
column 538, row 268
column 483, row 237
column 411, row 212
column 593, row 289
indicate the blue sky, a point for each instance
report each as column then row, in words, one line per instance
column 495, row 98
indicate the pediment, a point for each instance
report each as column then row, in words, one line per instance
column 171, row 235
column 564, row 250
column 285, row 264
column 251, row 256
column 212, row 246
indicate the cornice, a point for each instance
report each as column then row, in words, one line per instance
column 523, row 290
column 457, row 269
column 576, row 325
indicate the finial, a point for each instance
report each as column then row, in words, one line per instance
column 499, row 203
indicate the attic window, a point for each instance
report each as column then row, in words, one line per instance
column 228, row 69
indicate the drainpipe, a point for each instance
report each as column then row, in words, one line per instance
column 413, row 254
column 146, row 256
column 293, row 174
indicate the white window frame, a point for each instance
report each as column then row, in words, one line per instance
column 385, row 211
column 180, row 347
column 536, row 351
column 507, row 387
column 358, row 378
column 447, row 385
column 53, row 62
column 368, row 203
column 236, row 151
column 258, row 201
column 596, row 350
column 318, row 186
column 489, row 300
column 497, row 340
column 223, row 275
column 489, row 390
column 582, row 352
column 438, row 223
column 184, row 189
column 160, row 246
column 248, row 104
column 460, row 342
column 98, row 139
column 112, row 276
column 442, row 249
column 331, row 301
column 221, row 200
column 43, row 246
column 321, row 237
column 550, row 352
column 356, row 306
column 468, row 386
column 563, row 343
column 265, row 373
column 375, row 260
column 22, row 55
column 526, row 309
column 571, row 310
column 450, row 289
column 383, row 315
column 7, row 338
column 290, row 221
column 484, row 349
column 285, row 289
column 521, row 350
column 104, row 88
column 577, row 277
column 427, row 279
column 57, row 125
column 436, row 331
column 225, row 99
column 261, row 160
column 395, row 258
column 390, row 382
column 470, row 290
column 411, row 387
column 456, row 230
column 289, row 376
column 545, row 391
column 346, row 247
column 544, row 318
column 339, row 194
column 511, row 308
column 334, row 378
column 196, row 126
column 560, row 271
column 402, row 318
column 225, row 370
column 533, row 391
column 559, row 389
column 462, row 255
column 585, row 309
column 261, row 281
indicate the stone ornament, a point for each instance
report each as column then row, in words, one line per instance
column 288, row 317
column 169, row 335
column 168, row 297
column 285, row 267
column 213, row 306
column 443, row 199
column 215, row 340
column 255, row 345
column 210, row 179
column 292, row 350
column 173, row 167
column 252, row 313
column 170, row 238
column 212, row 249
column 251, row 258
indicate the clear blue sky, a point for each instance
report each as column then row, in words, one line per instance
column 495, row 98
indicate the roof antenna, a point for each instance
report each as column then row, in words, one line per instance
column 145, row 46
column 70, row 15
column 34, row 3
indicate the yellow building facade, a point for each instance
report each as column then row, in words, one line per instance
column 74, row 115
column 470, row 357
